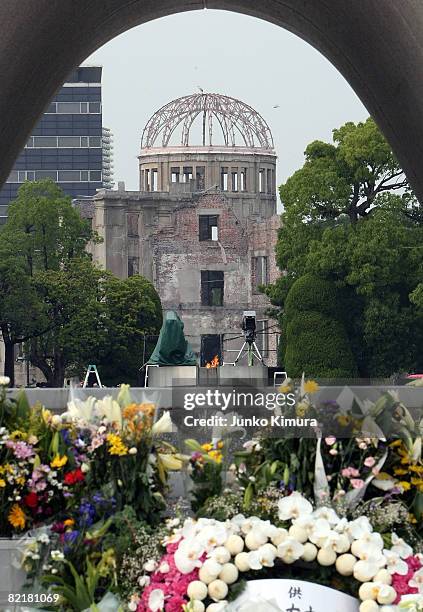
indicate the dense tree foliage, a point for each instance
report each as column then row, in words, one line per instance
column 350, row 218
column 53, row 298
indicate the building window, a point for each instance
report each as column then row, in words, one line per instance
column 260, row 269
column 224, row 179
column 273, row 182
column 211, row 347
column 187, row 174
column 147, row 180
column 261, row 180
column 212, row 288
column 206, row 223
column 133, row 266
column 243, row 178
column 262, row 339
column 132, row 220
column 234, row 179
column 154, row 180
column 269, row 180
column 73, row 108
column 175, row 175
column 200, row 175
column 60, row 176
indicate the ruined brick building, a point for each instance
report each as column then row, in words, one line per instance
column 203, row 226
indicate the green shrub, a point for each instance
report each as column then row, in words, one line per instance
column 316, row 340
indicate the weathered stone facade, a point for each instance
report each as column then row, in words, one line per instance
column 203, row 228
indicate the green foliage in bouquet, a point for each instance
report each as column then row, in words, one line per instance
column 206, row 465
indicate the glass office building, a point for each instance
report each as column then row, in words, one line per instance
column 66, row 144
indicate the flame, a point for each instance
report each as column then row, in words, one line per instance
column 214, row 363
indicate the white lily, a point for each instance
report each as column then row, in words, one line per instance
column 328, row 514
column 358, row 528
column 417, row 581
column 156, row 600
column 187, row 557
column 394, row 563
column 290, row 550
column 400, row 547
column 109, row 409
column 79, row 410
column 263, row 557
column 163, row 425
column 294, row 506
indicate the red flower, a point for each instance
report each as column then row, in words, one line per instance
column 31, row 500
column 73, row 477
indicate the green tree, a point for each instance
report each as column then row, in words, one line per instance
column 43, row 232
column 133, row 310
column 350, row 218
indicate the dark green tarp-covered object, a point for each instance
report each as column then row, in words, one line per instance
column 172, row 347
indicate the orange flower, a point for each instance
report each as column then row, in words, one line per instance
column 16, row 517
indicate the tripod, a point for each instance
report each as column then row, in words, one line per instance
column 251, row 350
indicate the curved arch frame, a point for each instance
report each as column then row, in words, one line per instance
column 377, row 45
column 229, row 112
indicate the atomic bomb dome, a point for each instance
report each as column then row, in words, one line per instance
column 236, row 122
column 205, row 141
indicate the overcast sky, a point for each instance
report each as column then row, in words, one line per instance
column 227, row 53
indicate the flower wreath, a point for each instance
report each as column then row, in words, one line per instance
column 201, row 570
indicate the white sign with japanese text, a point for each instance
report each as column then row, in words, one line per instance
column 292, row 596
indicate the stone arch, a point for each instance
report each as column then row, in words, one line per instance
column 377, row 45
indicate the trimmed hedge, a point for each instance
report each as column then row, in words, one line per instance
column 316, row 339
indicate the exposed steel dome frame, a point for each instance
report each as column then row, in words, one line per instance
column 235, row 119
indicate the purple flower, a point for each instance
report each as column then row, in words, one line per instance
column 21, row 450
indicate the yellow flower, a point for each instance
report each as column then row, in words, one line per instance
column 417, row 468
column 418, row 483
column 18, row 434
column 2, row 482
column 343, row 420
column 412, row 519
column 406, row 486
column 311, row 386
column 46, row 415
column 301, row 409
column 220, row 444
column 20, row 480
column 16, row 517
column 395, row 443
column 117, row 447
column 400, row 472
column 69, row 523
column 285, row 388
column 59, row 461
column 207, row 447
column 215, row 455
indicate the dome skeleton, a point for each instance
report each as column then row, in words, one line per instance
column 233, row 116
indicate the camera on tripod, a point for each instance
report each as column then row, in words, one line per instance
column 249, row 325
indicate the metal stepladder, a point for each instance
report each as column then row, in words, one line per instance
column 92, row 369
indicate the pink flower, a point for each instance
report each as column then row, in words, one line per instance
column 357, row 483
column 330, row 441
column 350, row 472
column 369, row 462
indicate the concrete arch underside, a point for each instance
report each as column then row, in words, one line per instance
column 376, row 44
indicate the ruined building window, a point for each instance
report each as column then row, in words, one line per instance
column 147, row 180
column 211, row 347
column 262, row 339
column 206, row 223
column 133, row 266
column 224, row 179
column 175, row 175
column 200, row 175
column 132, row 220
column 261, row 180
column 273, row 182
column 269, row 181
column 243, row 178
column 187, row 174
column 260, row 271
column 234, row 179
column 212, row 288
column 154, row 180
